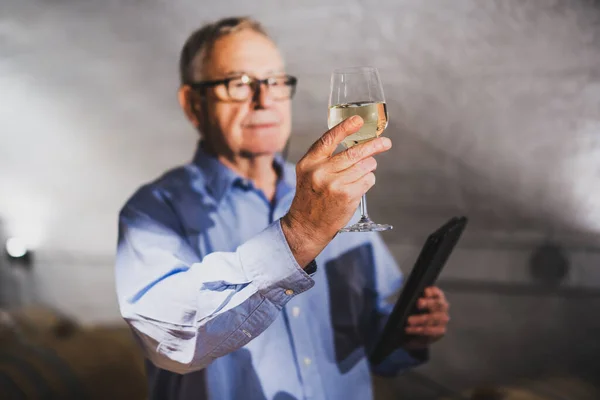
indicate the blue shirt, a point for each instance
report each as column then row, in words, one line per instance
column 207, row 282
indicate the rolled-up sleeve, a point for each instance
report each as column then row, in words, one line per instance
column 186, row 311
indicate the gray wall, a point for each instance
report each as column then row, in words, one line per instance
column 495, row 114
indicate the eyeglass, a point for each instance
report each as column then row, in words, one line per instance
column 241, row 88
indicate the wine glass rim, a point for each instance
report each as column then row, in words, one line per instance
column 354, row 70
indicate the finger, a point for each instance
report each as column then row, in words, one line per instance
column 433, row 305
column 349, row 157
column 439, row 318
column 326, row 145
column 414, row 330
column 430, row 331
column 357, row 171
column 434, row 296
column 442, row 297
column 362, row 185
column 435, row 292
column 425, row 323
column 418, row 320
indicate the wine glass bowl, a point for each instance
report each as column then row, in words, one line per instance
column 358, row 91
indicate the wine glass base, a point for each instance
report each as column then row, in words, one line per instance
column 366, row 226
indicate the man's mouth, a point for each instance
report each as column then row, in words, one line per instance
column 262, row 125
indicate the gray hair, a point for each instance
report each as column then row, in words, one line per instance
column 199, row 44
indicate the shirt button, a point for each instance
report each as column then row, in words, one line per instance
column 307, row 361
column 246, row 184
column 296, row 311
column 289, row 292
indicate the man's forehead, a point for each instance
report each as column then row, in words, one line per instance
column 246, row 52
column 240, row 72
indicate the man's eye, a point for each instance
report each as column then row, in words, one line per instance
column 275, row 82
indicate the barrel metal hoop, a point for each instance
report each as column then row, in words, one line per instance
column 41, row 387
column 62, row 369
column 50, row 359
column 10, row 388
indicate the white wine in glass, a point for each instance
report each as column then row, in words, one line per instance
column 373, row 114
column 358, row 91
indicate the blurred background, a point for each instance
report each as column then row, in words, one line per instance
column 494, row 114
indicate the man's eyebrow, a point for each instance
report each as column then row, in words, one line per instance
column 235, row 73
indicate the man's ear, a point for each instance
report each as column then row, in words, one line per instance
column 191, row 104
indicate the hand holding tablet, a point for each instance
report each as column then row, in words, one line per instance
column 405, row 327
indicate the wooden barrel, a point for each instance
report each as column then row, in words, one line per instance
column 53, row 358
column 36, row 322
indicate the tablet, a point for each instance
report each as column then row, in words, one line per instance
column 429, row 264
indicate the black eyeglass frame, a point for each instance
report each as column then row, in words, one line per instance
column 254, row 83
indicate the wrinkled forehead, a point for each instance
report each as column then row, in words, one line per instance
column 246, row 52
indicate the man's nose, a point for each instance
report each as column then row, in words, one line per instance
column 262, row 97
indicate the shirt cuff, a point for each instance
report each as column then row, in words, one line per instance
column 269, row 264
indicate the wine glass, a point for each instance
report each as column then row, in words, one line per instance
column 358, row 91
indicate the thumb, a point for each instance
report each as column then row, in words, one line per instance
column 326, row 144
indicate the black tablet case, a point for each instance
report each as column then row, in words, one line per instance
column 429, row 264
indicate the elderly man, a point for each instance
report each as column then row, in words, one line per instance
column 229, row 269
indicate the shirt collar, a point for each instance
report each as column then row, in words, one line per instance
column 219, row 178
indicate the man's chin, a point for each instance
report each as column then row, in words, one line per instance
column 259, row 152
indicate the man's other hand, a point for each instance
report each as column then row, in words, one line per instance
column 430, row 326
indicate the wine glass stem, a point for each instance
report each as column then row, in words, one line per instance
column 363, row 207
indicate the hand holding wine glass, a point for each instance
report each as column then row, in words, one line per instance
column 329, row 188
column 358, row 91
